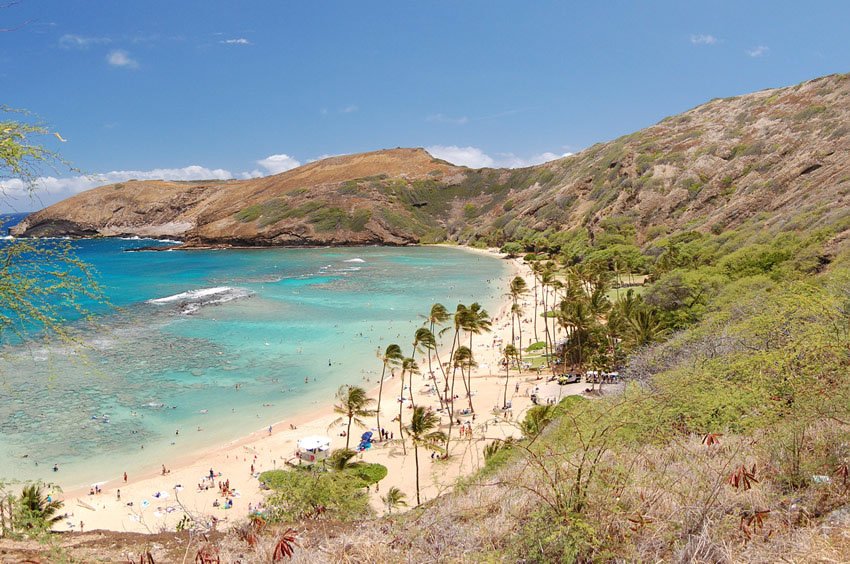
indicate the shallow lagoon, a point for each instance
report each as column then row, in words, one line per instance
column 230, row 359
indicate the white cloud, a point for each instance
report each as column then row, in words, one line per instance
column 120, row 58
column 510, row 160
column 71, row 41
column 275, row 164
column 238, row 41
column 349, row 109
column 474, row 157
column 703, row 39
column 442, row 118
column 50, row 189
column 759, row 51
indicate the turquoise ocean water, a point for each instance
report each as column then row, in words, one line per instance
column 189, row 326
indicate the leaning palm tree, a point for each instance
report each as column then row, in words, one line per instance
column 510, row 354
column 422, row 432
column 353, row 404
column 392, row 356
column 394, row 498
column 36, row 509
column 428, row 343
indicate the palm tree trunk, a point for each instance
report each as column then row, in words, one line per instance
column 519, row 348
column 536, row 338
column 507, row 375
column 546, row 327
column 469, row 375
column 400, row 407
column 451, row 404
column 513, row 324
column 378, row 410
column 410, row 388
column 348, row 432
column 455, row 341
column 416, row 459
column 445, row 379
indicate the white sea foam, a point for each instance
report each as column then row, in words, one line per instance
column 354, row 260
column 193, row 300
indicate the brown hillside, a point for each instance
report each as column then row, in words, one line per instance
column 780, row 156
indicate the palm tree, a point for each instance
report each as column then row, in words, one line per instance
column 459, row 320
column 462, row 359
column 394, row 498
column 646, row 327
column 341, row 459
column 421, row 338
column 407, row 365
column 510, row 354
column 35, row 507
column 577, row 321
column 476, row 321
column 392, row 356
column 428, row 343
column 516, row 313
column 423, row 434
column 353, row 404
column 536, row 268
column 438, row 315
column 518, row 288
column 547, row 278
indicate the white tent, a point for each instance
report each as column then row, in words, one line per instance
column 311, row 449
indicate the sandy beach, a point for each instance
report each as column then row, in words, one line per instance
column 155, row 502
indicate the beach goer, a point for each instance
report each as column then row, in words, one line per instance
column 118, row 495
column 81, row 526
column 270, row 429
column 125, row 477
column 212, row 474
column 55, row 467
column 163, row 470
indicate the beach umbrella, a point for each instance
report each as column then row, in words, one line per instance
column 366, row 436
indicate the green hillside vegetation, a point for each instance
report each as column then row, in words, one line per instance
column 728, row 443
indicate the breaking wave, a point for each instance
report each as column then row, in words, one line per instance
column 191, row 301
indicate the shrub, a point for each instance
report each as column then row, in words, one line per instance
column 301, row 493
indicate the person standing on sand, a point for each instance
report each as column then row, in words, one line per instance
column 270, row 429
column 125, row 477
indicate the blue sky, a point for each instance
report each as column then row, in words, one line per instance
column 191, row 89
